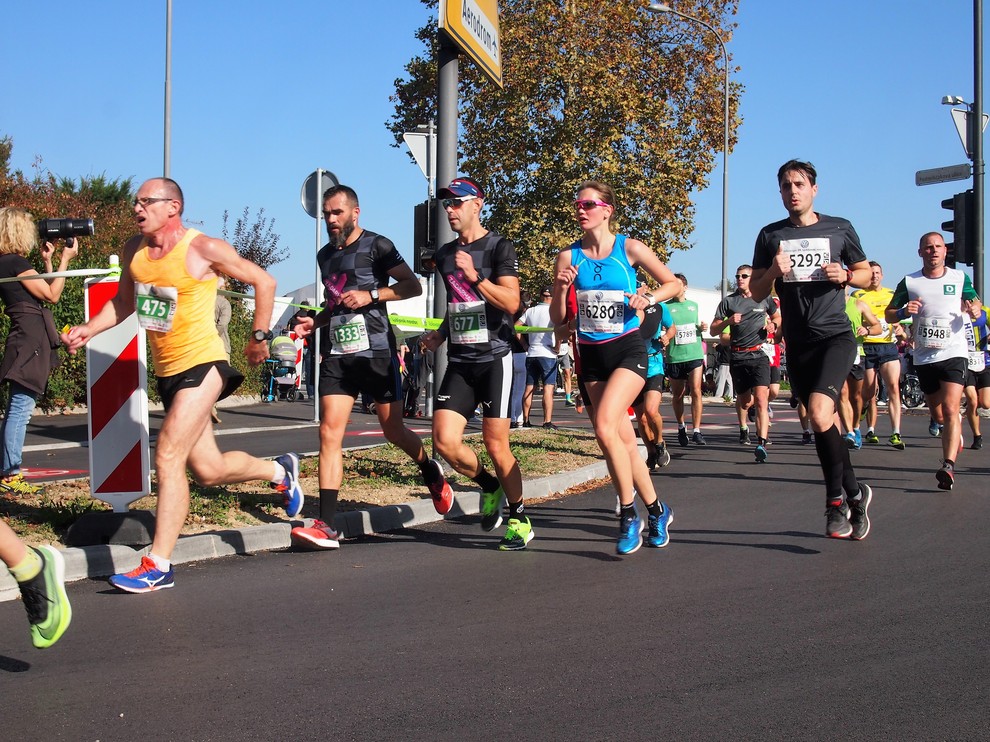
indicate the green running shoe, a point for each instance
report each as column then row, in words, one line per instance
column 517, row 534
column 491, row 509
column 873, row 438
column 896, row 442
column 45, row 601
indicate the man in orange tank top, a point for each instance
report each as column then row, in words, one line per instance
column 169, row 278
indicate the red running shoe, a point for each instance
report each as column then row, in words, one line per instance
column 317, row 536
column 440, row 491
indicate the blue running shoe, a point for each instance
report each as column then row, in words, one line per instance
column 761, row 454
column 934, row 429
column 145, row 579
column 289, row 487
column 859, row 439
column 630, row 535
column 657, row 526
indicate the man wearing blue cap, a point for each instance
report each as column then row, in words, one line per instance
column 480, row 272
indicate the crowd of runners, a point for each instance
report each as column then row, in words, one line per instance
column 809, row 294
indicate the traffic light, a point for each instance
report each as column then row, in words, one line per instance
column 962, row 225
column 423, row 244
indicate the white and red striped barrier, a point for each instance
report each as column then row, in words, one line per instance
column 117, row 393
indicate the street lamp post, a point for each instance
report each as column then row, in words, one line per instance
column 167, row 167
column 664, row 8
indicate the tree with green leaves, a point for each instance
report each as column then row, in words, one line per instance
column 256, row 241
column 591, row 91
column 108, row 203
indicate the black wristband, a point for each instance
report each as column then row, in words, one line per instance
column 475, row 284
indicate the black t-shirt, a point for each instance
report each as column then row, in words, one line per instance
column 14, row 292
column 815, row 309
column 477, row 331
column 360, row 266
column 751, row 332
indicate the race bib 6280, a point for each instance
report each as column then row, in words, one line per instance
column 601, row 311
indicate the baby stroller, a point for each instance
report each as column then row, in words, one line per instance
column 279, row 377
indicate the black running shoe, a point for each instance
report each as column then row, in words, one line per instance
column 806, row 438
column 698, row 438
column 682, row 437
column 977, row 442
column 858, row 518
column 837, row 523
column 651, row 459
column 945, row 476
column 744, row 437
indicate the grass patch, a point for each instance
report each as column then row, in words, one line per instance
column 382, row 475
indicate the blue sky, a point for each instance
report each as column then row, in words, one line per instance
column 263, row 93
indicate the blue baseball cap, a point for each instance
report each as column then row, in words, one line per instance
column 460, row 187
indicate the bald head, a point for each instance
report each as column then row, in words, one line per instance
column 167, row 188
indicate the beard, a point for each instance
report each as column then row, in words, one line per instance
column 340, row 239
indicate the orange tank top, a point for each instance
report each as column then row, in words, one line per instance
column 176, row 309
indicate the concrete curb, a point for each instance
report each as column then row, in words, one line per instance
column 102, row 561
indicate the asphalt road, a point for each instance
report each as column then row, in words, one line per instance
column 56, row 445
column 750, row 625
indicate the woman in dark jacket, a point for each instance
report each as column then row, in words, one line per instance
column 30, row 353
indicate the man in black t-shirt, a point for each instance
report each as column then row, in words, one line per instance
column 802, row 257
column 359, row 354
column 481, row 275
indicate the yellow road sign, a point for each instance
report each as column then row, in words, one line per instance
column 473, row 25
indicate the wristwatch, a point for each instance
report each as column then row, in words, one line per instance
column 374, row 296
column 262, row 335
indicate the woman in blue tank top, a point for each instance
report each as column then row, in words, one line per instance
column 601, row 267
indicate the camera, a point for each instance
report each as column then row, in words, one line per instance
column 53, row 229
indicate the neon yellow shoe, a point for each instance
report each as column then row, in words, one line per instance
column 18, row 485
column 491, row 509
column 517, row 534
column 45, row 601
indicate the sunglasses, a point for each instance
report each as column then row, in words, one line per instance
column 455, row 203
column 588, row 204
column 742, row 275
column 146, row 202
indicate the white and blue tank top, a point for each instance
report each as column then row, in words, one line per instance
column 601, row 286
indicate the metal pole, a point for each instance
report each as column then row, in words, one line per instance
column 167, row 168
column 431, row 159
column 664, row 8
column 725, row 175
column 976, row 139
column 315, row 339
column 446, row 172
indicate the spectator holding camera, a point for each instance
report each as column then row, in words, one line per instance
column 30, row 353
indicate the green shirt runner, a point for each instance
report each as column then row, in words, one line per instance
column 687, row 340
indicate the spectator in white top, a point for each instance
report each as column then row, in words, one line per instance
column 541, row 359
